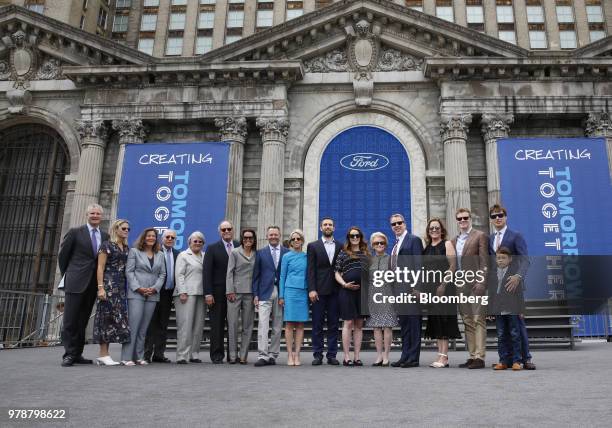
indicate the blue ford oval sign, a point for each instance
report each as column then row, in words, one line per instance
column 364, row 161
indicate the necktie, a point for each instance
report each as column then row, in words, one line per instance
column 169, row 271
column 228, row 248
column 94, row 241
column 275, row 257
column 394, row 253
column 497, row 241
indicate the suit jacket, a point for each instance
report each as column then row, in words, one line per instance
column 265, row 275
column 504, row 301
column 175, row 254
column 77, row 260
column 140, row 274
column 240, row 272
column 188, row 274
column 515, row 242
column 215, row 267
column 412, row 252
column 475, row 257
column 319, row 272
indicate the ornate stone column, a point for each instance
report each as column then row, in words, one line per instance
column 234, row 131
column 131, row 131
column 93, row 135
column 599, row 124
column 456, row 179
column 494, row 126
column 274, row 133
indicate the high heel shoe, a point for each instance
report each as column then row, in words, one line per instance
column 106, row 361
column 378, row 364
column 439, row 365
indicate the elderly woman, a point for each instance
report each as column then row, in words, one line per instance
column 146, row 273
column 382, row 315
column 294, row 296
column 189, row 300
column 111, row 320
column 239, row 294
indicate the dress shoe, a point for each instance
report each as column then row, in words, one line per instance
column 466, row 364
column 68, row 361
column 233, row 360
column 217, row 361
column 333, row 361
column 81, row 360
column 159, row 360
column 529, row 366
column 243, row 362
column 260, row 363
column 409, row 364
column 477, row 364
column 272, row 362
column 500, row 366
column 142, row 362
column 106, row 361
column 181, row 362
column 317, row 361
column 397, row 363
column 517, row 367
column 128, row 363
column 195, row 360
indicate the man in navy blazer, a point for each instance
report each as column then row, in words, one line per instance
column 411, row 247
column 514, row 241
column 266, row 279
column 323, row 292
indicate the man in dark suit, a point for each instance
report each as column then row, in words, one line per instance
column 514, row 241
column 214, row 273
column 411, row 248
column 323, row 292
column 78, row 261
column 157, row 333
column 266, row 279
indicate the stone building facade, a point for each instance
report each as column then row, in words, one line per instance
column 70, row 101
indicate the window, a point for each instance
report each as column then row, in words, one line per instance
column 564, row 14
column 148, row 22
column 177, row 21
column 231, row 39
column 207, row 1
column 265, row 18
column 206, row 20
column 537, row 39
column 445, row 12
column 567, row 39
column 120, row 23
column 597, row 35
column 174, row 46
column 151, row 3
column 203, row 45
column 179, row 2
column 475, row 15
column 419, row 8
column 594, row 13
column 146, row 46
column 102, row 18
column 123, row 3
column 36, row 6
column 535, row 14
column 505, row 14
column 294, row 13
column 236, row 1
column 235, row 18
column 415, row 4
column 507, row 36
column 82, row 22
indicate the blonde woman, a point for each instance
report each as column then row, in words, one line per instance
column 111, row 322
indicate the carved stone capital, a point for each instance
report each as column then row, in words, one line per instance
column 599, row 124
column 273, row 129
column 495, row 126
column 96, row 130
column 19, row 100
column 455, row 126
column 130, row 130
column 232, row 128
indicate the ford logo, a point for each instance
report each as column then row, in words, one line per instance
column 364, row 161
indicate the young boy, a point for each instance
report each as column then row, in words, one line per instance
column 507, row 308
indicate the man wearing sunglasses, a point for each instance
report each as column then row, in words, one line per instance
column 214, row 272
column 514, row 241
column 157, row 333
column 410, row 320
column 472, row 255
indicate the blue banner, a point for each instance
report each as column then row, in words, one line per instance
column 174, row 186
column 558, row 195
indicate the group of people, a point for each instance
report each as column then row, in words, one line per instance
column 136, row 287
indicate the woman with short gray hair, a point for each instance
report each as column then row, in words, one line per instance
column 189, row 300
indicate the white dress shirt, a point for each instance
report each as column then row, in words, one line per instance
column 330, row 248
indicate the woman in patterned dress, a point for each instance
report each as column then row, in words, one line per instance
column 111, row 322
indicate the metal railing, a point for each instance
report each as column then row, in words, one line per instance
column 30, row 319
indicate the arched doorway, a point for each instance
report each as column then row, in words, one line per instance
column 33, row 164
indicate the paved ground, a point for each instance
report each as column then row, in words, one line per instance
column 570, row 388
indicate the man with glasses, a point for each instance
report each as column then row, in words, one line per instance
column 472, row 255
column 157, row 333
column 514, row 241
column 215, row 274
column 411, row 247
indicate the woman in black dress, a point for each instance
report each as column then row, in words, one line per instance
column 440, row 256
column 111, row 322
column 351, row 263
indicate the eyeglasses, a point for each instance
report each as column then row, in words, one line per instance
column 195, row 241
column 397, row 223
column 354, row 235
column 172, row 238
column 463, row 218
column 375, row 244
column 226, row 229
column 297, row 238
column 125, row 229
column 434, row 228
column 498, row 215
column 247, row 238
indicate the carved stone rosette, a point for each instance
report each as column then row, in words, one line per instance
column 92, row 131
column 232, row 128
column 131, row 131
column 273, row 129
column 455, row 126
column 495, row 126
column 599, row 124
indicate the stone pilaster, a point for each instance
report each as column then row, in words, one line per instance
column 233, row 130
column 274, row 133
column 456, row 179
column 494, row 126
column 93, row 135
column 599, row 124
column 131, row 131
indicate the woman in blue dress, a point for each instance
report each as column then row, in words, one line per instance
column 294, row 296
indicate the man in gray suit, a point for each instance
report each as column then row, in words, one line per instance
column 77, row 259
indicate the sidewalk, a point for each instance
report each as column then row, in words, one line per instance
column 569, row 388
